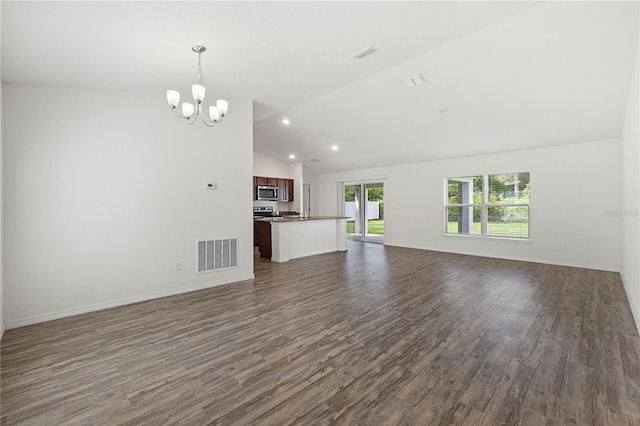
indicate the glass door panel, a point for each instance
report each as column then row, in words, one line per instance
column 364, row 206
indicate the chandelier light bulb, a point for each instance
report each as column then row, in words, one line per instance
column 198, row 92
column 214, row 114
column 223, row 106
column 190, row 111
column 173, row 98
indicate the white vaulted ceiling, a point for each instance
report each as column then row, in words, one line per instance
column 512, row 75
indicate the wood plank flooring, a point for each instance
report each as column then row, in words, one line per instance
column 374, row 336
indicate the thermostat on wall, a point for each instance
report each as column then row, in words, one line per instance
column 210, row 185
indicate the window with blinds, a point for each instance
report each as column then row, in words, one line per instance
column 488, row 205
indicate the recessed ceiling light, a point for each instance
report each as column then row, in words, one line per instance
column 292, row 156
column 334, row 147
column 286, row 121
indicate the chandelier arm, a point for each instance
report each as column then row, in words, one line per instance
column 205, row 122
column 189, row 120
column 208, row 122
column 192, row 119
column 177, row 114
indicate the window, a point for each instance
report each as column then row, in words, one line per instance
column 488, row 205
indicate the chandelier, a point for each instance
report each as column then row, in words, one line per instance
column 190, row 111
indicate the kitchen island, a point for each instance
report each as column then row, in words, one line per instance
column 285, row 238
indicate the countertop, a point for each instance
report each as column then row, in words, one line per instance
column 298, row 219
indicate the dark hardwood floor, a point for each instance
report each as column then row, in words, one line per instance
column 374, row 336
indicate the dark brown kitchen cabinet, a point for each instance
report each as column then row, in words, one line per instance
column 285, row 189
column 290, row 189
column 262, row 238
column 265, row 181
column 290, row 185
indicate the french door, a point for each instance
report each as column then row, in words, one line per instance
column 364, row 207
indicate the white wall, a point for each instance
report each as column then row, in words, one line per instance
column 104, row 194
column 310, row 178
column 573, row 189
column 264, row 165
column 2, row 321
column 296, row 173
column 630, row 269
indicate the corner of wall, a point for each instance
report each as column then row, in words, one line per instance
column 630, row 262
column 2, row 323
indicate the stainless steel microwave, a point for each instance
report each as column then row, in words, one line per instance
column 269, row 193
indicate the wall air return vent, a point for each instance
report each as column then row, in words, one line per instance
column 215, row 255
column 367, row 51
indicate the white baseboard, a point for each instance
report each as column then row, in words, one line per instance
column 522, row 259
column 306, row 254
column 35, row 319
column 313, row 253
column 635, row 312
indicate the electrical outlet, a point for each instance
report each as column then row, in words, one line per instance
column 179, row 266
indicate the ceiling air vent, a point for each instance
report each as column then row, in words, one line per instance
column 315, row 160
column 325, row 134
column 367, row 51
column 414, row 81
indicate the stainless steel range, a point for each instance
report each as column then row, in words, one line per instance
column 264, row 211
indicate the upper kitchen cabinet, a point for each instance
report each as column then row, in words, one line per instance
column 265, row 181
column 284, row 194
column 290, row 191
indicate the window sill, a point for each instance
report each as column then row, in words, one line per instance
column 489, row 237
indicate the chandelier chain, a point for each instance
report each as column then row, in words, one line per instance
column 200, row 79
